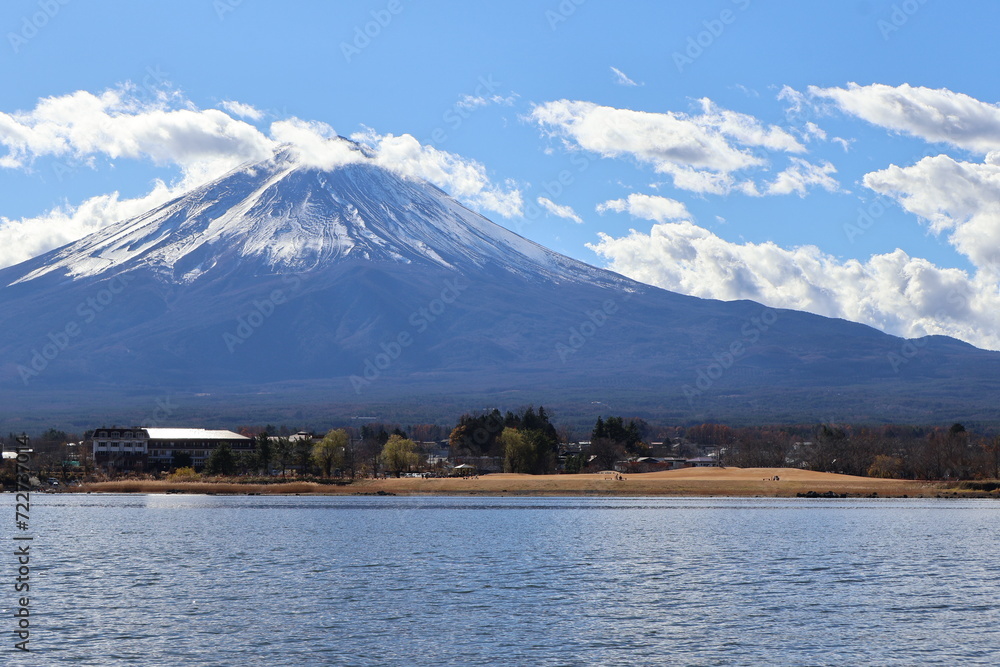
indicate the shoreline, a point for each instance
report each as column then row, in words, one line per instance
column 721, row 482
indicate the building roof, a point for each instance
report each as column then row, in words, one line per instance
column 192, row 434
column 296, row 437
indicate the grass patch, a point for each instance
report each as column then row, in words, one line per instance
column 986, row 486
column 202, row 487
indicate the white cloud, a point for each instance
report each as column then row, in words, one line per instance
column 242, row 110
column 893, row 292
column 647, row 207
column 464, row 179
column 802, row 175
column 470, row 102
column 316, row 144
column 23, row 239
column 746, row 129
column 79, row 127
column 796, row 101
column 936, row 115
column 844, row 143
column 700, row 152
column 117, row 125
column 961, row 199
column 621, row 78
column 560, row 211
column 814, row 131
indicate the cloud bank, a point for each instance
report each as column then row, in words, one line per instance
column 893, row 292
column 935, row 115
column 707, row 153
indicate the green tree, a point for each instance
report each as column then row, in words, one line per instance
column 398, row 454
column 283, row 452
column 627, row 436
column 303, row 456
column 264, row 452
column 330, row 449
column 518, row 452
column 246, row 463
column 575, row 463
column 53, row 435
column 350, row 458
column 221, row 461
column 545, row 446
column 181, row 460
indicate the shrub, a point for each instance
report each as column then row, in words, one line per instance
column 186, row 474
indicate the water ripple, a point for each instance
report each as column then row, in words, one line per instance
column 215, row 580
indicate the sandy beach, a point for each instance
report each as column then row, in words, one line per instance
column 748, row 482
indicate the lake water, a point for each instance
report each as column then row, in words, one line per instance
column 214, row 580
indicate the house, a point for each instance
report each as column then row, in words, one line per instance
column 702, row 462
column 464, row 470
column 140, row 449
column 437, row 453
column 121, row 448
column 295, row 438
column 674, row 462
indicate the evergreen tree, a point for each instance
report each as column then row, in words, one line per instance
column 264, row 452
column 221, row 461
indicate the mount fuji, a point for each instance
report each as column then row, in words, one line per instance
column 356, row 286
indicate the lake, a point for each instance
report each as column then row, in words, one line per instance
column 218, row 580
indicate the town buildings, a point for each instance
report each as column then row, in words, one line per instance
column 141, row 449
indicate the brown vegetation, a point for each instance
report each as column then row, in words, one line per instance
column 747, row 482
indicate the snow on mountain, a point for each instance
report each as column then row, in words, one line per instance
column 279, row 216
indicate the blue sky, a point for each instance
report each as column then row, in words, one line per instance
column 727, row 133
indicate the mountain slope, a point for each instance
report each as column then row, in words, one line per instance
column 355, row 285
column 278, row 217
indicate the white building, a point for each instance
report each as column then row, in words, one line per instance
column 151, row 448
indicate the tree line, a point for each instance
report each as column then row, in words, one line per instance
column 527, row 441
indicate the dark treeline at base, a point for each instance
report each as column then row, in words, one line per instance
column 900, row 452
column 528, row 441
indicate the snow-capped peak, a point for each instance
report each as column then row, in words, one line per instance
column 281, row 216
